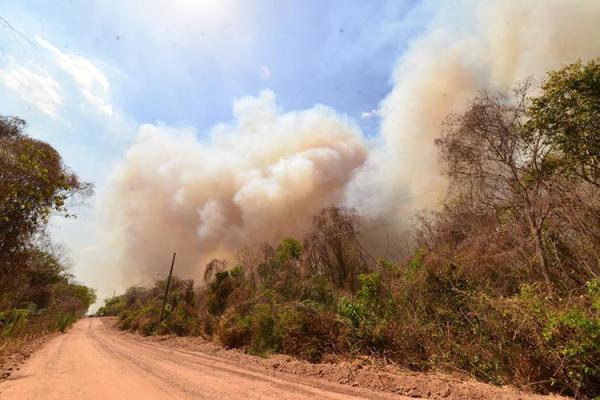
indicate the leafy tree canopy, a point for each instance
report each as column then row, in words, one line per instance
column 567, row 113
column 34, row 183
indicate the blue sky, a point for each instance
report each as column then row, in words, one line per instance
column 183, row 63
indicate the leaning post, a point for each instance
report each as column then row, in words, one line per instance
column 162, row 309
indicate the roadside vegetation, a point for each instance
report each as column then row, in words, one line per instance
column 502, row 282
column 37, row 292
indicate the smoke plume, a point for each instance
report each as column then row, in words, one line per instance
column 253, row 181
column 468, row 47
column 266, row 174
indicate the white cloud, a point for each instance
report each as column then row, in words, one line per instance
column 265, row 72
column 371, row 114
column 92, row 82
column 35, row 87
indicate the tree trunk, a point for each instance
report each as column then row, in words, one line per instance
column 540, row 254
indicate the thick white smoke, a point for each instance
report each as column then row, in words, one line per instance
column 469, row 46
column 254, row 181
column 265, row 175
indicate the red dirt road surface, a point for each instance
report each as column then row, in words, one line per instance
column 92, row 361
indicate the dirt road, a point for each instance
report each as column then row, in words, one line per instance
column 93, row 361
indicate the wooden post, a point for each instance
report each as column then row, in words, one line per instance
column 162, row 310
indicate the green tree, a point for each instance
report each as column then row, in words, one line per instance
column 567, row 114
column 34, row 183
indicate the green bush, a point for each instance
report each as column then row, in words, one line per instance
column 572, row 335
column 318, row 290
column 289, row 249
column 64, row 321
column 264, row 338
column 113, row 306
column 353, row 311
column 234, row 330
column 14, row 321
column 183, row 320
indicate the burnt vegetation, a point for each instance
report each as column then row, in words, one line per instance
column 502, row 282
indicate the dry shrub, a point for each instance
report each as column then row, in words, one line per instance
column 234, row 330
column 309, row 332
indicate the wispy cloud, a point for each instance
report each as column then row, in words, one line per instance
column 33, row 86
column 92, row 82
column 371, row 114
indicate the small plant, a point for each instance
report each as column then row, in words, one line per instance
column 64, row 321
column 353, row 311
column 14, row 321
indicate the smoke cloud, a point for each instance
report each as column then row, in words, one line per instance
column 468, row 47
column 253, row 181
column 264, row 176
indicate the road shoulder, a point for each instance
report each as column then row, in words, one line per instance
column 18, row 352
column 360, row 372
